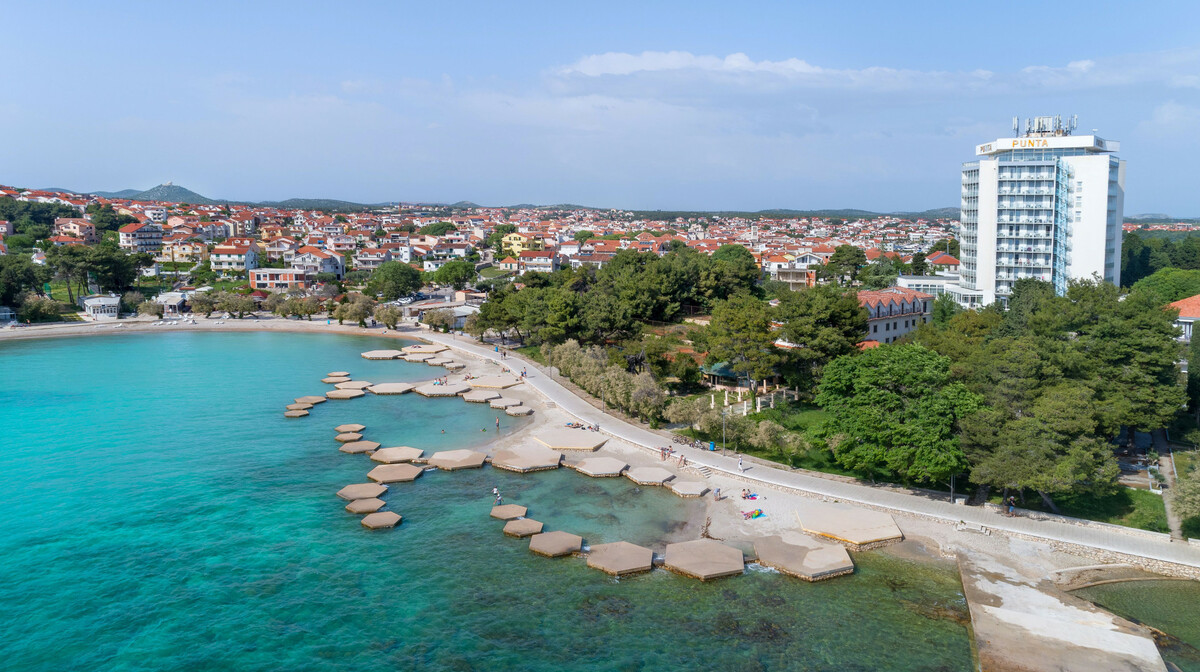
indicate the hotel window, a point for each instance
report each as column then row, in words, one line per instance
column 874, row 328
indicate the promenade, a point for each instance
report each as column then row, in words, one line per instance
column 1109, row 538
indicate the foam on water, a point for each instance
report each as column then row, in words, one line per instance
column 159, row 512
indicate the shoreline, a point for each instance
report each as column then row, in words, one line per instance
column 925, row 538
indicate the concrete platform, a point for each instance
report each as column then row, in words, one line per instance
column 295, row 414
column 344, row 394
column 429, row 348
column 555, row 544
column 298, row 407
column 688, row 488
column 571, row 439
column 527, row 458
column 509, row 511
column 504, row 402
column 522, row 527
column 498, row 382
column 518, row 411
column 396, row 454
column 438, row 361
column 856, row 528
column 335, row 374
column 391, row 388
column 455, row 366
column 382, row 354
column 451, row 460
column 620, row 558
column 361, row 491
column 649, row 475
column 347, row 437
column 356, row 447
column 704, row 559
column 381, row 521
column 418, row 357
column 480, row 396
column 370, row 505
column 803, row 557
column 354, row 385
column 349, row 427
column 310, row 399
column 333, row 380
column 449, row 390
column 601, row 467
column 395, row 473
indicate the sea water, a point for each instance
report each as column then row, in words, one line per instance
column 158, row 512
column 1172, row 607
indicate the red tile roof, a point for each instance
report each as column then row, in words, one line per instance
column 1189, row 307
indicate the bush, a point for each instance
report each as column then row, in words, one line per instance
column 38, row 309
column 150, row 308
column 636, row 394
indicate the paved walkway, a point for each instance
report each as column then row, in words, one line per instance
column 1115, row 539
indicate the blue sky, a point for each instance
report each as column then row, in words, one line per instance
column 691, row 105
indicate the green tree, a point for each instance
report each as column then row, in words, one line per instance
column 1169, row 284
column 879, row 274
column 944, row 308
column 740, row 335
column 822, row 323
column 34, row 308
column 393, row 280
column 457, row 274
column 894, row 410
column 150, row 308
column 583, row 236
column 948, row 245
column 918, row 265
column 437, row 229
column 19, row 275
column 202, row 302
column 131, row 300
column 353, row 311
column 845, row 263
column 390, row 316
column 1185, row 496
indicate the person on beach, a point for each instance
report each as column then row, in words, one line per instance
column 717, row 495
column 740, row 467
column 497, row 422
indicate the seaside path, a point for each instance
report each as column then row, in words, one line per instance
column 1110, row 538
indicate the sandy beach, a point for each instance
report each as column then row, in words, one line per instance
column 1012, row 604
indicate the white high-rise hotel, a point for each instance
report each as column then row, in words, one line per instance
column 1046, row 204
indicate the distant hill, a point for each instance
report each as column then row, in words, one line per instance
column 464, row 204
column 174, row 193
column 315, row 204
column 848, row 213
column 124, row 193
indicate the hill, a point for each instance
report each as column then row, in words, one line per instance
column 124, row 193
column 315, row 204
column 173, row 193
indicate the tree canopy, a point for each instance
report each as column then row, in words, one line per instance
column 394, row 279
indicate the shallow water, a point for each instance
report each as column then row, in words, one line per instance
column 158, row 512
column 1172, row 607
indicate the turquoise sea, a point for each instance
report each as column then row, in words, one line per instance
column 1172, row 607
column 158, row 512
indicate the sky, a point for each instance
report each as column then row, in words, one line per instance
column 639, row 105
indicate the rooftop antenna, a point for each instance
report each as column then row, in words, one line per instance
column 1016, row 125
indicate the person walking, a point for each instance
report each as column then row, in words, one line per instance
column 741, row 468
column 717, row 495
column 497, row 423
column 1012, row 505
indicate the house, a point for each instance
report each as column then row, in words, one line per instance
column 543, row 261
column 894, row 311
column 76, row 227
column 597, row 260
column 172, row 302
column 281, row 248
column 181, row 248
column 140, row 237
column 101, row 307
column 519, row 242
column 1189, row 312
column 234, row 255
column 940, row 261
column 370, row 258
column 509, row 264
column 280, row 278
column 313, row 260
column 7, row 314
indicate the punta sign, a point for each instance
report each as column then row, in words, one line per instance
column 1087, row 142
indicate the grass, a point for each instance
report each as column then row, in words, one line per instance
column 1140, row 509
column 533, row 352
column 494, row 272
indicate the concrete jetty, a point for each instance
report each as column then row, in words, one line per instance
column 555, row 544
column 504, row 402
column 349, row 427
column 620, row 558
column 417, row 357
column 381, row 520
column 455, row 366
column 508, row 511
column 298, row 407
column 450, row 460
column 688, row 489
column 391, row 388
column 369, row 505
column 353, row 385
column 310, row 399
column 480, row 396
column 571, row 439
column 347, row 437
column 361, row 491
column 438, row 360
column 429, row 348
column 336, row 374
column 600, row 467
column 704, row 559
column 356, row 447
column 803, row 557
column 649, row 475
column 524, row 459
column 856, row 528
column 497, row 382
column 334, row 380
column 344, row 394
column 382, row 354
column 395, row 473
column 518, row 411
column 448, row 390
column 522, row 527
column 397, row 454
column 295, row 414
